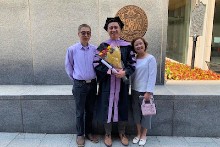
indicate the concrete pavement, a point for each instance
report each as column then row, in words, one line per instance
column 68, row 140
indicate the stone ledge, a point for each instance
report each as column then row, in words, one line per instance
column 182, row 110
column 170, row 88
column 177, row 115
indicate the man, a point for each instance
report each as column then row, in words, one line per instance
column 112, row 102
column 79, row 67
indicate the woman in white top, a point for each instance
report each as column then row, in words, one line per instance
column 142, row 84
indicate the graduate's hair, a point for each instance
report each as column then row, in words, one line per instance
column 83, row 25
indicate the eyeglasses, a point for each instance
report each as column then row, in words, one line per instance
column 84, row 33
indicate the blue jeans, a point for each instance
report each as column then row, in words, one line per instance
column 85, row 96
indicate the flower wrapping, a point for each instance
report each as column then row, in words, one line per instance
column 112, row 55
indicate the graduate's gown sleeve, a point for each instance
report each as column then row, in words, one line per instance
column 129, row 60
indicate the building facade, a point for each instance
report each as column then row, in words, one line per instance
column 35, row 35
column 180, row 45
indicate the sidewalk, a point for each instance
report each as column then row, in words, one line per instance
column 68, row 140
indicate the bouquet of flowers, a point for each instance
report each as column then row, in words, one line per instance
column 112, row 56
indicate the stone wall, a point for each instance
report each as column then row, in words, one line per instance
column 177, row 115
column 35, row 35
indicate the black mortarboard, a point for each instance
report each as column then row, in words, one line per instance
column 114, row 19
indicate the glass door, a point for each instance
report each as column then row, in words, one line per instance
column 215, row 48
column 178, row 29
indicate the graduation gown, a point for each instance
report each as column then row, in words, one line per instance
column 105, row 83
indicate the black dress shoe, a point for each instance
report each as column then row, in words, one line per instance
column 93, row 138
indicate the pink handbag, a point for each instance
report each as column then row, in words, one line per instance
column 148, row 108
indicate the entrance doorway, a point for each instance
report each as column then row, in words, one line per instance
column 215, row 48
column 177, row 32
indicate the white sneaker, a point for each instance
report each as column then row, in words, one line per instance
column 142, row 141
column 136, row 140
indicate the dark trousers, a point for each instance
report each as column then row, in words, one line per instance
column 85, row 96
column 121, row 127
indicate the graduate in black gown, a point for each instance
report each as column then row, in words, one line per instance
column 112, row 100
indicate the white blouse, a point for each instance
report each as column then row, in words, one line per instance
column 144, row 77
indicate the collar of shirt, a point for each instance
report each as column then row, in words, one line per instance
column 84, row 47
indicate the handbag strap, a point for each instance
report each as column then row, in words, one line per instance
column 151, row 101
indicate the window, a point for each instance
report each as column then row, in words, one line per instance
column 178, row 29
column 215, row 48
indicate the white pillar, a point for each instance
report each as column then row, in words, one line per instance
column 203, row 45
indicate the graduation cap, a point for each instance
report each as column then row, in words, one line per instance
column 113, row 19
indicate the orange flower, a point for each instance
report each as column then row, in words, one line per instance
column 179, row 71
column 104, row 52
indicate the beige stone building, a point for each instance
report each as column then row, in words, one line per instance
column 180, row 45
column 35, row 34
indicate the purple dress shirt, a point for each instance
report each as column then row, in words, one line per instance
column 79, row 62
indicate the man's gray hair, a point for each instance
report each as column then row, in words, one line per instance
column 83, row 25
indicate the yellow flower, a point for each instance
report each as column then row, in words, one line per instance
column 109, row 47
